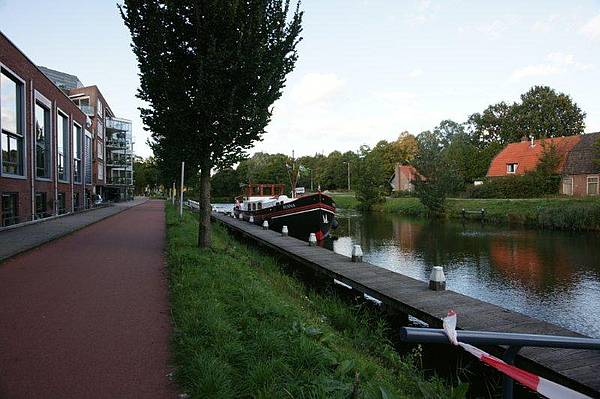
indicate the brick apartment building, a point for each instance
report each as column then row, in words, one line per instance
column 52, row 153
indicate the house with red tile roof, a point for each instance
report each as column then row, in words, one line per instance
column 580, row 173
column 403, row 177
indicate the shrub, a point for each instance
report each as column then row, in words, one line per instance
column 529, row 185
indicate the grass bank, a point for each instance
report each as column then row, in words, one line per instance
column 548, row 213
column 244, row 328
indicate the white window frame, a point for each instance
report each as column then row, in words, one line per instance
column 587, row 186
column 23, row 124
column 570, row 179
column 44, row 103
column 80, row 153
column 62, row 114
column 508, row 167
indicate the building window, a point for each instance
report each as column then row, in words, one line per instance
column 100, row 171
column 99, row 150
column 10, row 209
column 41, row 208
column 511, row 167
column 76, row 202
column 76, row 153
column 62, row 203
column 100, row 109
column 11, row 108
column 42, row 141
column 62, row 147
column 100, row 129
column 592, row 185
column 567, row 184
column 87, row 150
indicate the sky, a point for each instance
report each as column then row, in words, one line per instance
column 367, row 70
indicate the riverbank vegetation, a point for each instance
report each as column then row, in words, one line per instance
column 449, row 158
column 546, row 213
column 245, row 328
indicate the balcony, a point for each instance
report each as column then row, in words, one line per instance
column 119, row 144
column 119, row 162
column 119, row 181
column 117, row 124
column 88, row 110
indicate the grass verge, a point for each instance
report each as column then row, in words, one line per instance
column 244, row 328
column 547, row 213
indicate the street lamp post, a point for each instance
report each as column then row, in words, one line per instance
column 348, row 163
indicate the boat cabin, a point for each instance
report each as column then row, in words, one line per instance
column 259, row 196
column 264, row 190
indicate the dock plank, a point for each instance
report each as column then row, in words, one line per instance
column 578, row 369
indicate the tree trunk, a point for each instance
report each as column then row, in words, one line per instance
column 204, row 228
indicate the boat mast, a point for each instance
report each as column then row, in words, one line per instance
column 293, row 176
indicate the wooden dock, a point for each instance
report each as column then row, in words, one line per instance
column 578, row 369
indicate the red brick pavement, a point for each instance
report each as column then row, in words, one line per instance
column 87, row 316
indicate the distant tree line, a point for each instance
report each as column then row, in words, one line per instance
column 449, row 157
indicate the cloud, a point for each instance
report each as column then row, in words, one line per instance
column 592, row 28
column 495, row 30
column 556, row 63
column 415, row 73
column 424, row 13
column 316, row 87
column 545, row 25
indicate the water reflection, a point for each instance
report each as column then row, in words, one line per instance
column 554, row 276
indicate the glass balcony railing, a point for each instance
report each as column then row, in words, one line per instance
column 116, row 124
column 121, row 144
column 120, row 181
column 119, row 162
column 88, row 110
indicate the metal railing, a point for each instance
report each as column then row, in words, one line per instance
column 514, row 341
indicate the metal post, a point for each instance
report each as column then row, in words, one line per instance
column 173, row 194
column 181, row 191
column 348, row 175
column 507, row 382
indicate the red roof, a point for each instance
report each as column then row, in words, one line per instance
column 409, row 171
column 527, row 156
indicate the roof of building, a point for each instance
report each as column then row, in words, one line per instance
column 581, row 158
column 409, row 171
column 63, row 80
column 527, row 155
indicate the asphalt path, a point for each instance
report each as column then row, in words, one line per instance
column 87, row 315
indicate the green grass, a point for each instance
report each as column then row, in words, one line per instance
column 245, row 328
column 550, row 213
column 345, row 201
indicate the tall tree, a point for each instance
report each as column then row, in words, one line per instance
column 545, row 113
column 210, row 71
column 437, row 177
column 541, row 113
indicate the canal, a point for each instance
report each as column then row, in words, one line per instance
column 549, row 275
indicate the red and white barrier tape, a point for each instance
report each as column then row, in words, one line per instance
column 534, row 382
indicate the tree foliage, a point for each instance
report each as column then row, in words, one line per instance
column 438, row 178
column 541, row 113
column 210, row 71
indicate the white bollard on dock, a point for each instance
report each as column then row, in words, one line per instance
column 437, row 280
column 265, row 225
column 251, row 220
column 357, row 253
column 312, row 239
column 241, row 216
column 284, row 231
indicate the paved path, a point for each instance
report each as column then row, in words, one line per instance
column 87, row 316
column 20, row 239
